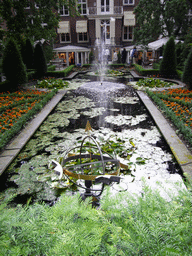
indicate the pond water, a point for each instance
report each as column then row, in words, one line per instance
column 116, row 116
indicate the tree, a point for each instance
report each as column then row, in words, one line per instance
column 187, row 74
column 168, row 64
column 148, row 14
column 157, row 17
column 34, row 19
column 29, row 52
column 13, row 66
column 40, row 61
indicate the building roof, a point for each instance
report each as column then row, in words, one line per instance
column 71, row 48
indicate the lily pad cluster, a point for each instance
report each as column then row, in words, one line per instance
column 51, row 83
column 153, row 82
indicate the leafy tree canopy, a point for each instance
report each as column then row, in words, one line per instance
column 157, row 17
column 33, row 19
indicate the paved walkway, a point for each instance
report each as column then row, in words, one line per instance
column 179, row 150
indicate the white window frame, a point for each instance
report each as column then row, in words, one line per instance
column 60, row 37
column 81, row 3
column 128, row 2
column 65, row 10
column 128, row 33
column 82, row 41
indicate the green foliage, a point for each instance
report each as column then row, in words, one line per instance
column 146, row 72
column 18, row 14
column 52, row 83
column 155, row 18
column 39, row 61
column 48, row 51
column 187, row 74
column 13, row 66
column 149, row 22
column 119, row 57
column 60, row 73
column 91, row 57
column 168, row 64
column 124, row 225
column 151, row 83
column 51, row 68
column 29, row 53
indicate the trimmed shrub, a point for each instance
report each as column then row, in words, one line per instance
column 146, row 72
column 119, row 57
column 60, row 73
column 29, row 51
column 187, row 74
column 39, row 61
column 13, row 66
column 51, row 68
column 168, row 64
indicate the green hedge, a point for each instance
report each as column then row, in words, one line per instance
column 31, row 74
column 179, row 73
column 60, row 73
column 146, row 72
column 51, row 68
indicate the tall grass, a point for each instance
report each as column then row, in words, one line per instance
column 123, row 225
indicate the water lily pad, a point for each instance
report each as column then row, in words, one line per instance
column 94, row 112
column 126, row 100
column 125, row 120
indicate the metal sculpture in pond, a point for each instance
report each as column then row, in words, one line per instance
column 90, row 168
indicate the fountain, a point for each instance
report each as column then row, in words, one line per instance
column 116, row 116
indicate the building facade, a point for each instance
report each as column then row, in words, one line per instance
column 111, row 21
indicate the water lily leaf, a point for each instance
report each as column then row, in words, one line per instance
column 94, row 112
column 126, row 100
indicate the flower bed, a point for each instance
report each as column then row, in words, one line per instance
column 17, row 108
column 177, row 106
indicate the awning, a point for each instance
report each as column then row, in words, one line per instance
column 129, row 19
column 63, row 27
column 81, row 26
column 160, row 42
column 71, row 48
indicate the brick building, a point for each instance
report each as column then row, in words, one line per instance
column 110, row 20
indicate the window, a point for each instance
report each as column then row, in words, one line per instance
column 128, row 2
column 82, row 7
column 64, row 11
column 65, row 37
column 128, row 33
column 82, row 37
